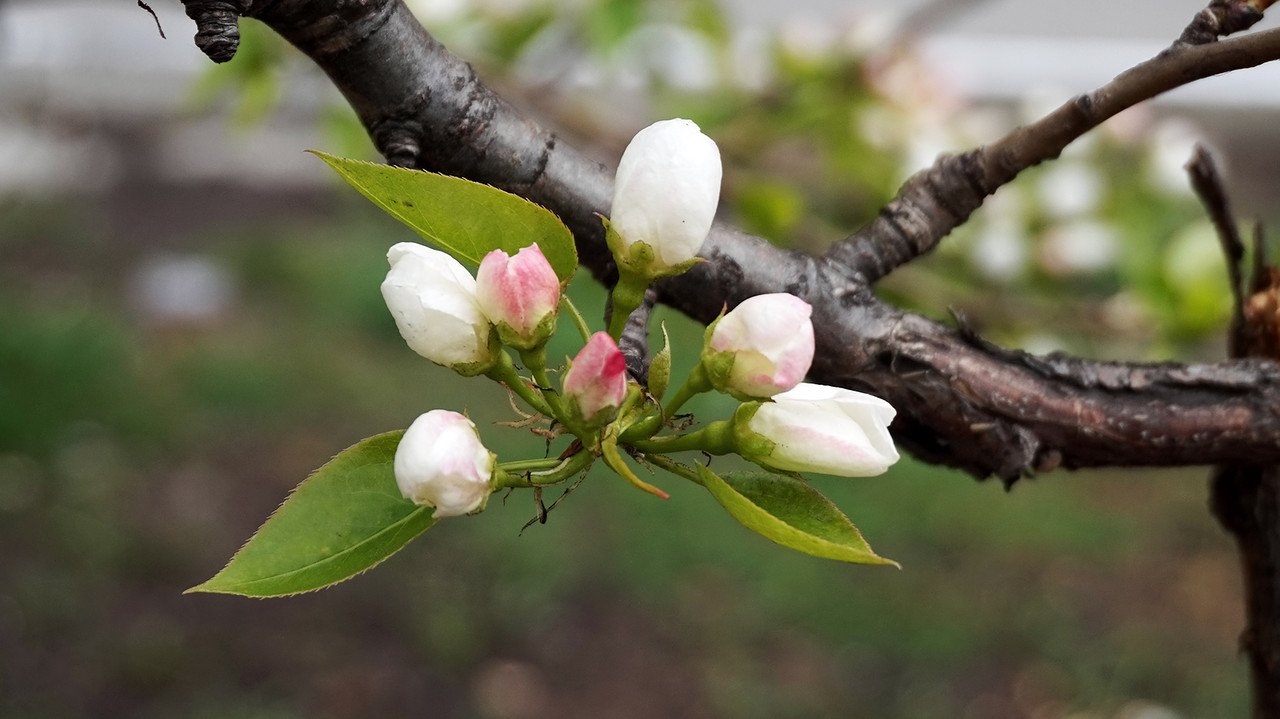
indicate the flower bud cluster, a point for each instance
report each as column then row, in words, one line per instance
column 664, row 202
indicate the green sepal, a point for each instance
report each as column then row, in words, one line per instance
column 342, row 520
column 537, row 338
column 640, row 259
column 791, row 513
column 660, row 367
column 748, row 443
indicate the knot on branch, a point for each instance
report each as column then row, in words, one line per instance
column 217, row 26
column 1221, row 18
column 397, row 137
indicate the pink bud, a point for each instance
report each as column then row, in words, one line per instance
column 522, row 293
column 596, row 382
column 763, row 347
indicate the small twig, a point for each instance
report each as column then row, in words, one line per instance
column 1206, row 180
column 147, row 7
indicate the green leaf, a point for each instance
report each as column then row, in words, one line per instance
column 461, row 217
column 791, row 513
column 660, row 367
column 340, row 521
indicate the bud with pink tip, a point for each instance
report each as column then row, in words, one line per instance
column 816, row 428
column 441, row 463
column 596, row 383
column 762, row 347
column 520, row 295
column 433, row 300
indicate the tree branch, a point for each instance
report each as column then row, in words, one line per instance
column 961, row 401
column 939, row 199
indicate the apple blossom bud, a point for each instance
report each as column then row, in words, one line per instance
column 596, row 383
column 762, row 347
column 816, row 428
column 665, row 193
column 433, row 300
column 520, row 295
column 440, row 462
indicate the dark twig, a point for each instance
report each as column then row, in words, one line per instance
column 1206, row 180
column 935, row 201
column 147, row 7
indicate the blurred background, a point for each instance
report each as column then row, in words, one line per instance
column 190, row 323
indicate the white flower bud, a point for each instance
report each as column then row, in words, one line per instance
column 816, row 428
column 666, row 191
column 433, row 300
column 440, row 462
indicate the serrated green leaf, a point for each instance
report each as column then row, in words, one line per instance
column 340, row 521
column 461, row 217
column 660, row 367
column 791, row 513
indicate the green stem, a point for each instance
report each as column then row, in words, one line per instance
column 531, row 465
column 535, row 360
column 511, row 474
column 626, row 297
column 505, row 372
column 696, row 383
column 578, row 320
column 715, row 438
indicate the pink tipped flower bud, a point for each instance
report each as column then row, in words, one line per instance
column 596, row 383
column 520, row 295
column 763, row 347
column 816, row 428
column 440, row 462
column 433, row 300
column 666, row 191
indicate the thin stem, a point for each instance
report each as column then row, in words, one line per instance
column 535, row 360
column 532, row 465
column 509, row 476
column 715, row 438
column 626, row 297
column 505, row 372
column 578, row 320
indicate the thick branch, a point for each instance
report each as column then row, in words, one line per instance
column 961, row 402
